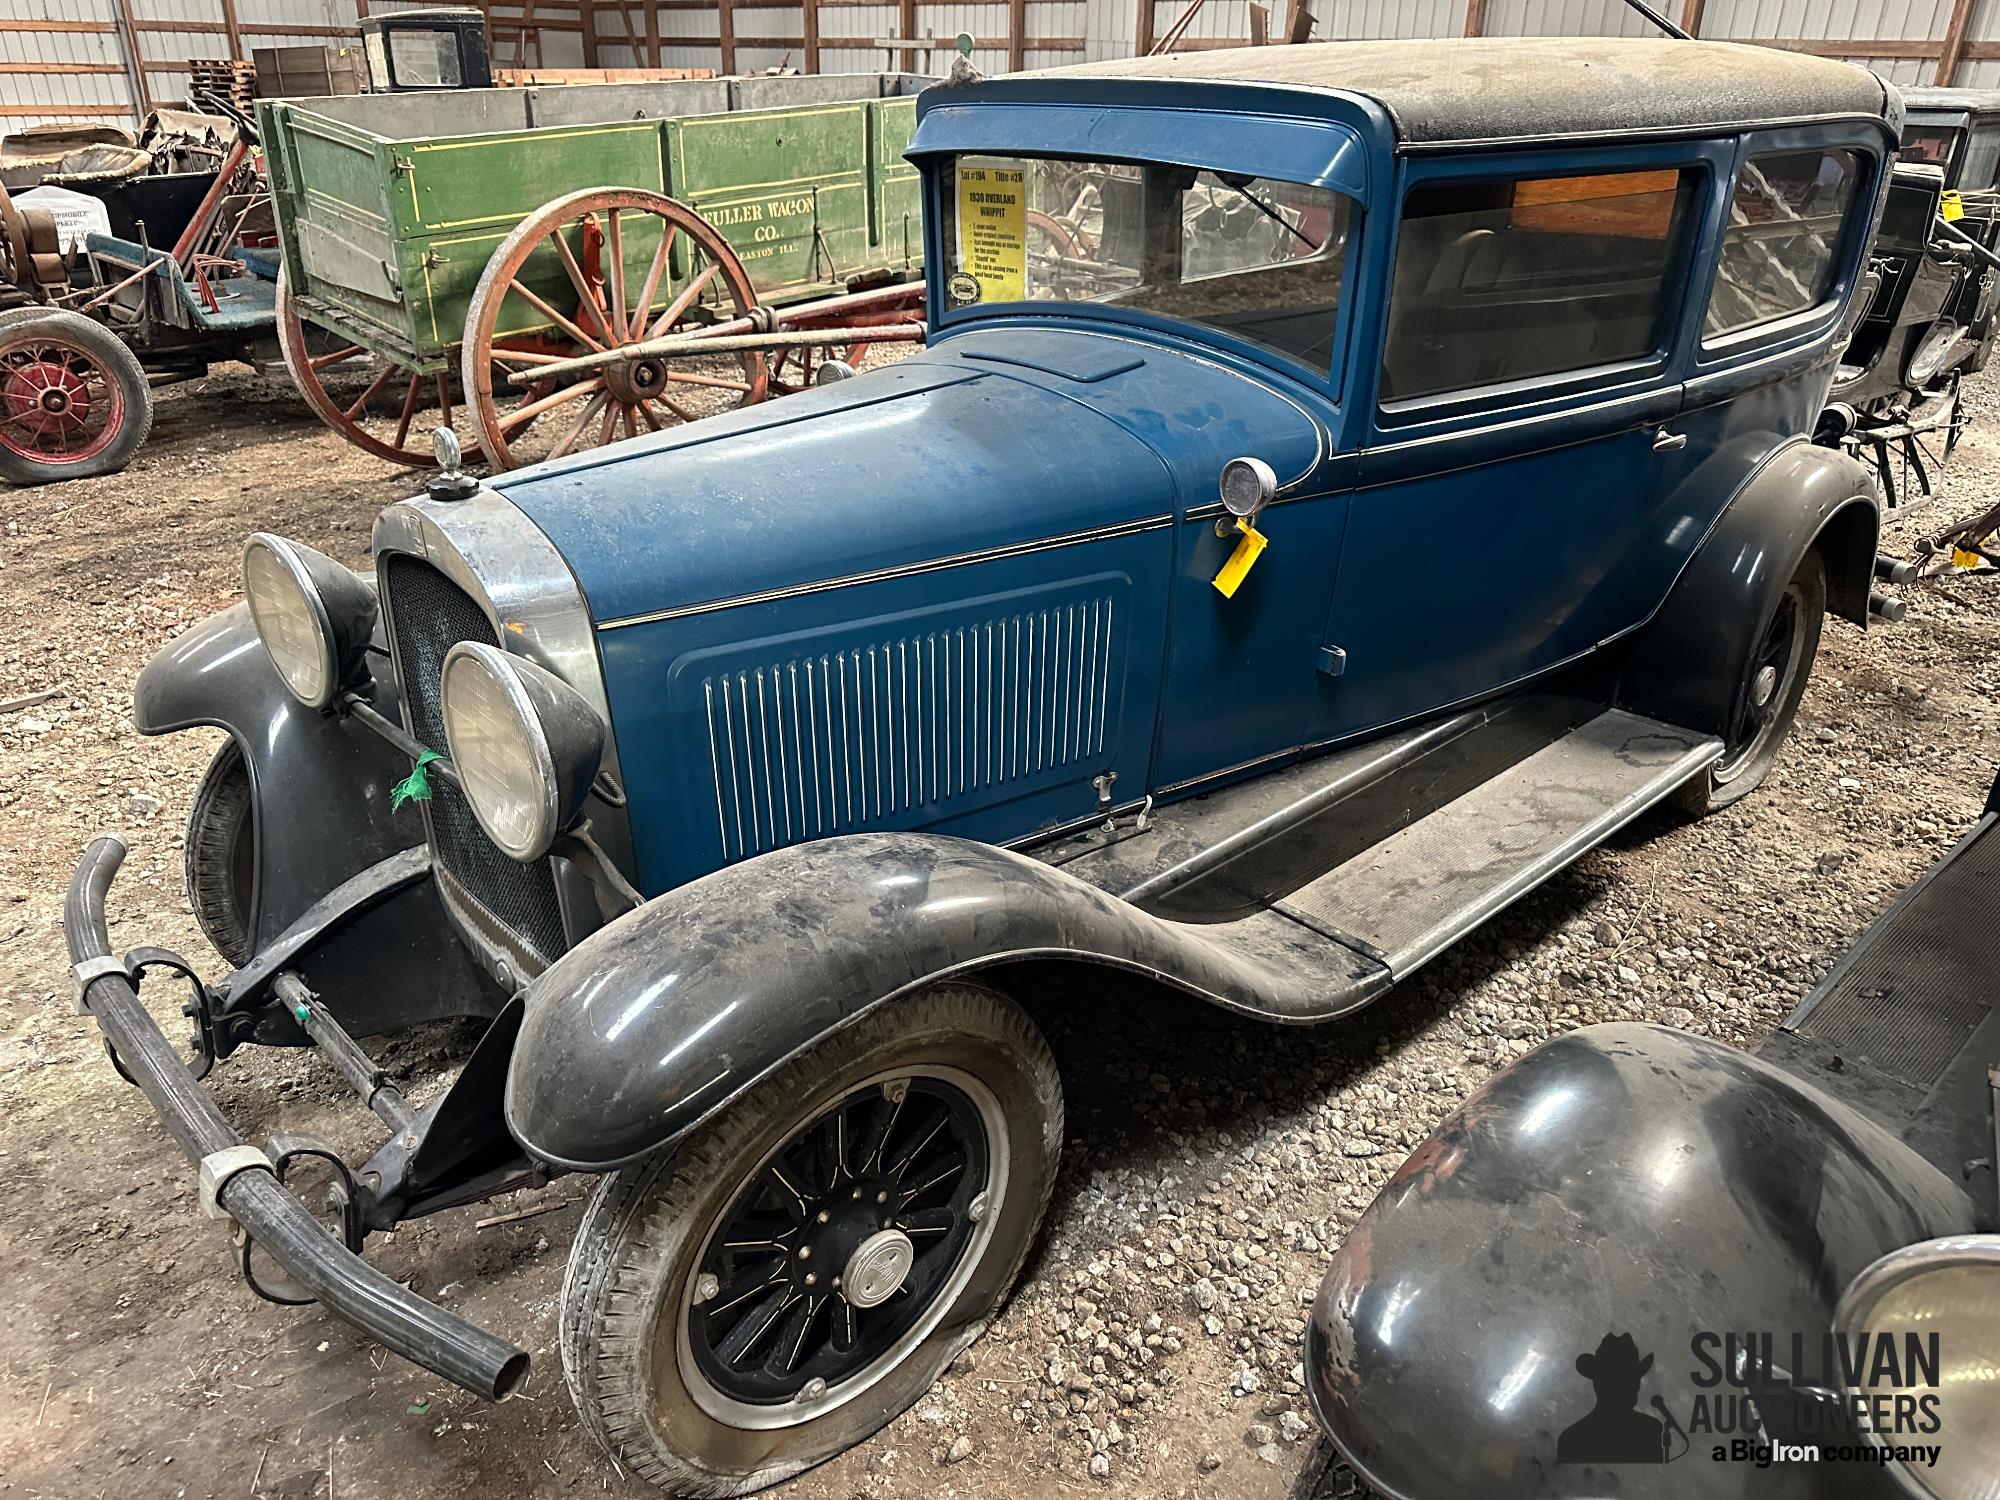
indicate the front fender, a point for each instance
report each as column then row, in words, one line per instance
column 1686, row 664
column 319, row 783
column 651, row 1025
column 1622, row 1179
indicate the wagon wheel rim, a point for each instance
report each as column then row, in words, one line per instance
column 593, row 273
column 58, row 403
column 381, row 406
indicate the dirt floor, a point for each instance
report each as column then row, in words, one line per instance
column 1153, row 1348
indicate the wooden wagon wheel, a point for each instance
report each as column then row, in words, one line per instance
column 369, row 399
column 564, row 284
column 1067, row 240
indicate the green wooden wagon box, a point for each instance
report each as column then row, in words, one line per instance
column 439, row 247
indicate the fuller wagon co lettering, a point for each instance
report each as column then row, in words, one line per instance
column 760, row 230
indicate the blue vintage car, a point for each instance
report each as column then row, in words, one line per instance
column 1343, row 485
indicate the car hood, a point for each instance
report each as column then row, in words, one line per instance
column 983, row 443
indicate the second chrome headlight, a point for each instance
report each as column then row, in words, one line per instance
column 525, row 745
column 313, row 615
column 1946, row 1291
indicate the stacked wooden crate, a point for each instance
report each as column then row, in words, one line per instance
column 226, row 78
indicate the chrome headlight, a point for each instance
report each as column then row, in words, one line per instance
column 313, row 615
column 1931, row 352
column 1948, row 1290
column 525, row 745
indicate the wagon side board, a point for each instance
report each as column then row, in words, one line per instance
column 386, row 238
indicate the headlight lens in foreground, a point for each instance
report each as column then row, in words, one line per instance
column 524, row 743
column 1951, row 1288
column 1930, row 355
column 313, row 615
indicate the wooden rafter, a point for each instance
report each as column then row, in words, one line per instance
column 1954, row 42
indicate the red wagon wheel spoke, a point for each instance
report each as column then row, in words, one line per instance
column 615, row 278
column 320, row 362
column 381, row 379
column 342, row 382
column 651, row 286
column 600, row 272
column 62, row 407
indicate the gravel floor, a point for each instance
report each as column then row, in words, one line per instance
column 1154, row 1346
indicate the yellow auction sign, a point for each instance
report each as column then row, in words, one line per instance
column 992, row 235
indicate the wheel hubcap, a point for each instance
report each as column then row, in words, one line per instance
column 876, row 1269
column 1763, row 685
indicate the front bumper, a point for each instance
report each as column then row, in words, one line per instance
column 237, row 1180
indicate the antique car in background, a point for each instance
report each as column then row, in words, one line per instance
column 753, row 776
column 1934, row 301
column 1610, row 1216
column 1956, row 130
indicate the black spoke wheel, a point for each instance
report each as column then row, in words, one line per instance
column 1768, row 690
column 839, row 1245
column 797, row 1272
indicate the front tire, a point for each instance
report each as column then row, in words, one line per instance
column 707, row 1335
column 220, row 855
column 1769, row 687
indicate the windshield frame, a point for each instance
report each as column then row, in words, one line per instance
column 939, row 171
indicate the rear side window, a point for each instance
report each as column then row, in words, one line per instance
column 1784, row 226
column 1505, row 279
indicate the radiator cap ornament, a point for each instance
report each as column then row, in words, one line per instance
column 451, row 482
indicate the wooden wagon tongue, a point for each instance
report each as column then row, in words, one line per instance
column 886, row 315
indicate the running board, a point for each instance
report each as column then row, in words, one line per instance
column 1905, row 1026
column 1405, row 899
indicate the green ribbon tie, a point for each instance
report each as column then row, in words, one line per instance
column 415, row 787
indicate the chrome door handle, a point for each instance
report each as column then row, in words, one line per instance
column 1668, row 442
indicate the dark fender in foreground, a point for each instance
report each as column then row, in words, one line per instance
column 1623, row 1179
column 653, row 1024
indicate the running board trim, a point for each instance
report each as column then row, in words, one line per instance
column 1416, row 892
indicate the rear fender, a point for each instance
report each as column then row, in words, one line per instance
column 1685, row 665
column 319, row 783
column 1623, row 1179
column 653, row 1024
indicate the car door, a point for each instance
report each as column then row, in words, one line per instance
column 1509, row 499
column 1263, row 265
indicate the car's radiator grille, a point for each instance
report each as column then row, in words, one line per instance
column 889, row 731
column 430, row 615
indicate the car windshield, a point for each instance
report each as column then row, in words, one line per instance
column 1257, row 259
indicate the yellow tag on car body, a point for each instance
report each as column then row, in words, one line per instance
column 1951, row 207
column 1249, row 548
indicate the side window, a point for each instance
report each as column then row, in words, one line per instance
column 1511, row 278
column 1931, row 145
column 1982, row 158
column 1784, row 226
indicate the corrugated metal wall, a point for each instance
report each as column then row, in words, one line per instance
column 70, row 58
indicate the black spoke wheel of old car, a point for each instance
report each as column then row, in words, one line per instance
column 1768, row 690
column 798, row 1272
column 220, row 855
